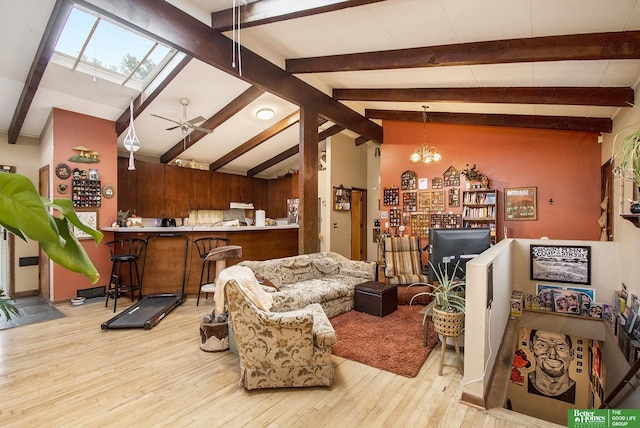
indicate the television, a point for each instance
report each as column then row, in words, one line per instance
column 450, row 246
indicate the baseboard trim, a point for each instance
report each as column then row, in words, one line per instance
column 26, row 293
column 473, row 400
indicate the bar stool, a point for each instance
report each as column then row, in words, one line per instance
column 204, row 245
column 220, row 255
column 128, row 251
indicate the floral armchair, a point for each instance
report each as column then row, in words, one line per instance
column 280, row 349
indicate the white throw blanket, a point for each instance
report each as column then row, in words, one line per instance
column 248, row 284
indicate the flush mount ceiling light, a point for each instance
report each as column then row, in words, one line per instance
column 425, row 153
column 265, row 113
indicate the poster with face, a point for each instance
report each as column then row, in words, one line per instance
column 549, row 374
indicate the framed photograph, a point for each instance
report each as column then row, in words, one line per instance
column 520, row 203
column 545, row 295
column 566, row 301
column 587, row 296
column 90, row 218
column 561, row 263
column 454, row 197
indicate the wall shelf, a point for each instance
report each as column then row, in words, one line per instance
column 633, row 218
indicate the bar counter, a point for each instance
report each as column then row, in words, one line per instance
column 166, row 248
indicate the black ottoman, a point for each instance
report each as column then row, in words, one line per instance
column 376, row 298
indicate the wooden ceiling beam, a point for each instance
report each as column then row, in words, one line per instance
column 152, row 90
column 562, row 123
column 330, row 132
column 270, row 11
column 594, row 96
column 254, row 142
column 226, row 113
column 61, row 11
column 293, row 150
column 176, row 28
column 361, row 140
column 575, row 47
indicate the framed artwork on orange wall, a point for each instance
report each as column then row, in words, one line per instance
column 520, row 203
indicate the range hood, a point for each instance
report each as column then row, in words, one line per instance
column 241, row 205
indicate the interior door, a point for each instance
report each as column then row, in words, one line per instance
column 43, row 262
column 358, row 224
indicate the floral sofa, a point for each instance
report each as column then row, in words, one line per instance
column 326, row 278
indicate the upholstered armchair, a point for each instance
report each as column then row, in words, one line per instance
column 403, row 266
column 280, row 349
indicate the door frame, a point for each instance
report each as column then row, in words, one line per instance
column 358, row 224
column 44, row 270
column 8, row 257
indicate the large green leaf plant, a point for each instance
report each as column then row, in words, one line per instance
column 26, row 214
column 447, row 291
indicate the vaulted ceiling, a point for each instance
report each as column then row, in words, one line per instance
column 569, row 65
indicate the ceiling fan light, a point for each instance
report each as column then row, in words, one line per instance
column 265, row 113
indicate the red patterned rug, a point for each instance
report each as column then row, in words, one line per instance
column 393, row 343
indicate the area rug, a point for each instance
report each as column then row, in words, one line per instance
column 393, row 343
column 31, row 309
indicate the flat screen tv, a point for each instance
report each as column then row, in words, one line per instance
column 448, row 246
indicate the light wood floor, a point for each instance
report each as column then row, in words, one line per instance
column 68, row 372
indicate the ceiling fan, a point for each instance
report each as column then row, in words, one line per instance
column 184, row 124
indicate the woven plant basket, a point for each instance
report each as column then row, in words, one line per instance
column 449, row 324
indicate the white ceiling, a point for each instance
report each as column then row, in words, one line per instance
column 391, row 24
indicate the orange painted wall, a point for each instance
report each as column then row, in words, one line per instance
column 69, row 130
column 563, row 165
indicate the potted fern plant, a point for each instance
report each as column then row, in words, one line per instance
column 628, row 153
column 449, row 301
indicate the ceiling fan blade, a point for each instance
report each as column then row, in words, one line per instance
column 173, row 127
column 165, row 118
column 196, row 120
column 201, row 129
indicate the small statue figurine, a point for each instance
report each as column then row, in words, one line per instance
column 122, row 218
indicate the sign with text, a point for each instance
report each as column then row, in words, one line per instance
column 603, row 418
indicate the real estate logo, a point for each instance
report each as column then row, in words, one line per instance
column 603, row 418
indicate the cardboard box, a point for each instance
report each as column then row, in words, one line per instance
column 516, row 304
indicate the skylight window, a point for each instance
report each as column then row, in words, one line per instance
column 95, row 46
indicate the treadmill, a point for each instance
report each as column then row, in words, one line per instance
column 152, row 309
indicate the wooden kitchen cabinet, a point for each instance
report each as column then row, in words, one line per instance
column 260, row 193
column 176, row 192
column 150, row 189
column 280, row 190
column 200, row 189
column 157, row 190
column 126, row 191
column 240, row 188
column 221, row 194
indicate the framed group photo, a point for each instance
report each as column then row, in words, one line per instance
column 520, row 203
column 561, row 263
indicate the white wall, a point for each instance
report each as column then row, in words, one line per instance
column 625, row 233
column 373, row 197
column 604, row 258
column 485, row 327
column 348, row 168
column 22, row 155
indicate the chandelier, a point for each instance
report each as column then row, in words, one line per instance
column 425, row 153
